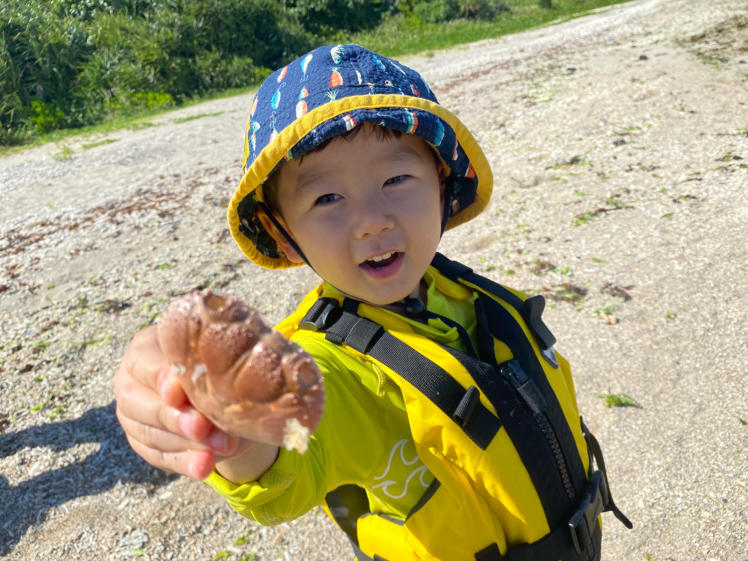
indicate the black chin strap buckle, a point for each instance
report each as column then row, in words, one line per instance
column 413, row 307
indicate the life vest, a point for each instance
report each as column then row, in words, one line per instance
column 517, row 476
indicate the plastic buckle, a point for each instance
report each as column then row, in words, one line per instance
column 323, row 313
column 533, row 312
column 583, row 520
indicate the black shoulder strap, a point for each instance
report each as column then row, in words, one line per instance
column 501, row 325
column 525, row 372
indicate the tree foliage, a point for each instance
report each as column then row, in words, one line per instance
column 69, row 63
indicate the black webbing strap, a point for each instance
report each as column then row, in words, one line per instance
column 555, row 546
column 575, row 539
column 531, row 309
column 455, row 271
column 595, row 451
column 462, row 405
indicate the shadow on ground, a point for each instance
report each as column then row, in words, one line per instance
column 28, row 503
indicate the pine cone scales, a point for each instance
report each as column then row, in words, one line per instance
column 247, row 378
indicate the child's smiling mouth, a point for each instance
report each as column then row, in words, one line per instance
column 384, row 265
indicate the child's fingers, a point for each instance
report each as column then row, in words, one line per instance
column 169, row 450
column 144, row 417
column 196, row 464
column 189, row 422
column 171, row 390
column 158, row 439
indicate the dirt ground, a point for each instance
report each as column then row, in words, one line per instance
column 619, row 143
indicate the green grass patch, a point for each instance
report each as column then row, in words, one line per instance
column 198, row 116
column 96, row 341
column 39, row 346
column 583, row 218
column 56, row 412
column 99, row 143
column 618, row 400
column 141, row 119
column 400, row 35
column 608, row 310
column 63, row 154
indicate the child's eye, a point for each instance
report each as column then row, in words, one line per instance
column 326, row 199
column 394, row 180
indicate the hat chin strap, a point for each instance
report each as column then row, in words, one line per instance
column 448, row 194
column 269, row 213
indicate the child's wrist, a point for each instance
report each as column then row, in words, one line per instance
column 248, row 462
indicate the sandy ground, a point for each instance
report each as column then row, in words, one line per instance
column 619, row 142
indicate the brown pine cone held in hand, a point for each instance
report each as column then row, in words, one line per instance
column 247, row 378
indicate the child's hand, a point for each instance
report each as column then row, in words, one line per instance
column 158, row 419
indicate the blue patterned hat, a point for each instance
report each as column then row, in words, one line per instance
column 328, row 92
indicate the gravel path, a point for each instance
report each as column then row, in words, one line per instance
column 619, row 142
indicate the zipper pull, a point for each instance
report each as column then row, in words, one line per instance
column 524, row 385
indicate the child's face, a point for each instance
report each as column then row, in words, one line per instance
column 366, row 212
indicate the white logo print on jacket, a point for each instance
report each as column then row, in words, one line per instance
column 398, row 463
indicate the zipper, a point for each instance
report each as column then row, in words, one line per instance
column 534, row 400
column 553, row 443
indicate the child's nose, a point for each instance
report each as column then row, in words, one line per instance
column 372, row 217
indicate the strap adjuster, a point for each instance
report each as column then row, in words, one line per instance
column 583, row 521
column 323, row 313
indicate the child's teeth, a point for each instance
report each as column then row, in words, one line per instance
column 381, row 257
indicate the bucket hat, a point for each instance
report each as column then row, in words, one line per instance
column 326, row 93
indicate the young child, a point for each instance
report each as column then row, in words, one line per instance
column 450, row 428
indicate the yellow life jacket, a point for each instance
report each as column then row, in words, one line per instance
column 500, row 432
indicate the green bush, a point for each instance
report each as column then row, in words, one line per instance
column 41, row 51
column 66, row 63
column 46, row 116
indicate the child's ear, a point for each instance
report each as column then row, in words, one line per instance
column 280, row 237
